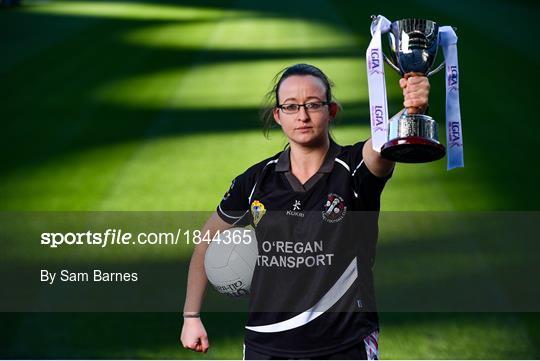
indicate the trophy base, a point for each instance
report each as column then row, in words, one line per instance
column 412, row 150
column 412, row 138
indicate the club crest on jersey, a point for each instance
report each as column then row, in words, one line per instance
column 257, row 211
column 334, row 208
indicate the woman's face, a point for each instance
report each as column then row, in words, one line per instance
column 307, row 128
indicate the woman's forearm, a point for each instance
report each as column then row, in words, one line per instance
column 197, row 280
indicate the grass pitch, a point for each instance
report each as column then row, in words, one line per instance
column 132, row 105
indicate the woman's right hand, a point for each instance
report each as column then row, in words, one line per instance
column 194, row 335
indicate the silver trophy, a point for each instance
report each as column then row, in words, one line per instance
column 412, row 137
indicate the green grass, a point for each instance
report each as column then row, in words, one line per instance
column 152, row 106
column 405, row 336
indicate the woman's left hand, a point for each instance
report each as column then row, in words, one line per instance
column 415, row 93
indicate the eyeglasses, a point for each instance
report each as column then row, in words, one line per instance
column 309, row 107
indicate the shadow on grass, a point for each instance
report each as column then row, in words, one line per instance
column 49, row 106
column 50, row 73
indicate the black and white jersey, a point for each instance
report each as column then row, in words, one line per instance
column 312, row 289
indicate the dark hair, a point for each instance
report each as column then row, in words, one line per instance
column 271, row 99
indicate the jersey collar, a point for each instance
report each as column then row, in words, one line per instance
column 284, row 161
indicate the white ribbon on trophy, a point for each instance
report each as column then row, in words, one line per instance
column 454, row 137
column 377, row 87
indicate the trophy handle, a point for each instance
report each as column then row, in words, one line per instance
column 374, row 19
column 437, row 69
column 394, row 66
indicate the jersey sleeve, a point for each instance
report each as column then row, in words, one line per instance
column 367, row 185
column 234, row 206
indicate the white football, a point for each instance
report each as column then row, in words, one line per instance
column 230, row 260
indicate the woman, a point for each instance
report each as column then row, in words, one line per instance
column 312, row 291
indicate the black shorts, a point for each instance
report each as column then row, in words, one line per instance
column 366, row 350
